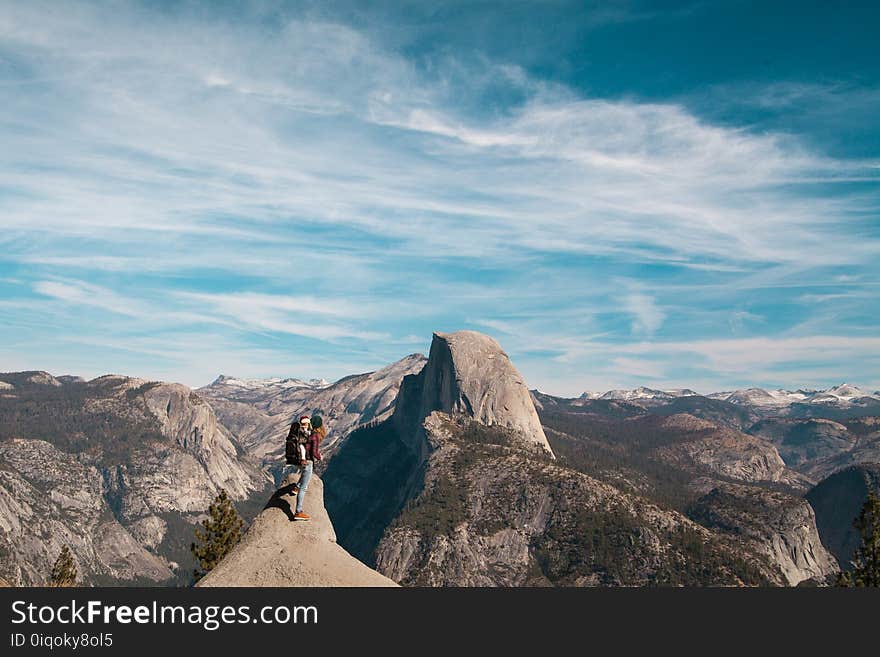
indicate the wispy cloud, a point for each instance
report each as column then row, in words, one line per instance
column 744, row 355
column 305, row 316
column 297, row 183
column 85, row 295
column 709, row 365
column 646, row 316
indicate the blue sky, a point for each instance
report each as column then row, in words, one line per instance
column 675, row 194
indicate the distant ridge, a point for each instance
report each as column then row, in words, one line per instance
column 840, row 395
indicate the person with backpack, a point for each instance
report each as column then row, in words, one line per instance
column 302, row 449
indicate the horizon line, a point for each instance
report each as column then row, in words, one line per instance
column 865, row 388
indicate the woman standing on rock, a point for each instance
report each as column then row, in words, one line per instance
column 302, row 450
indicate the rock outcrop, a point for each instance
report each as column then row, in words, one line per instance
column 468, row 373
column 779, row 526
column 278, row 551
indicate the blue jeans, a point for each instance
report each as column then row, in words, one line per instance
column 305, row 475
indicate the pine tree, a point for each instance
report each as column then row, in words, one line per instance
column 64, row 570
column 866, row 562
column 221, row 530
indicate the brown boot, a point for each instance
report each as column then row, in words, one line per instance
column 302, row 516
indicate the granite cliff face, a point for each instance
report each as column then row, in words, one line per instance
column 782, row 527
column 818, row 447
column 48, row 498
column 469, row 374
column 278, row 551
column 184, row 471
column 141, row 462
column 807, row 445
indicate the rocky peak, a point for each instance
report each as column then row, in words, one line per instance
column 846, row 391
column 29, row 379
column 468, row 373
column 273, row 384
column 43, row 379
column 186, row 419
column 277, row 551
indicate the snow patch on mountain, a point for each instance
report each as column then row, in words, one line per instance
column 640, row 393
column 841, row 395
column 269, row 384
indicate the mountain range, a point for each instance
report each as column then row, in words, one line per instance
column 258, row 411
column 445, row 470
column 480, row 503
column 118, row 468
column 843, row 395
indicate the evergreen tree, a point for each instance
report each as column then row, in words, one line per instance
column 221, row 530
column 866, row 564
column 64, row 570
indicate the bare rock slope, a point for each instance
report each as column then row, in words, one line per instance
column 277, row 551
column 725, row 452
column 782, row 527
column 493, row 514
column 468, row 373
column 49, row 499
column 118, row 468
